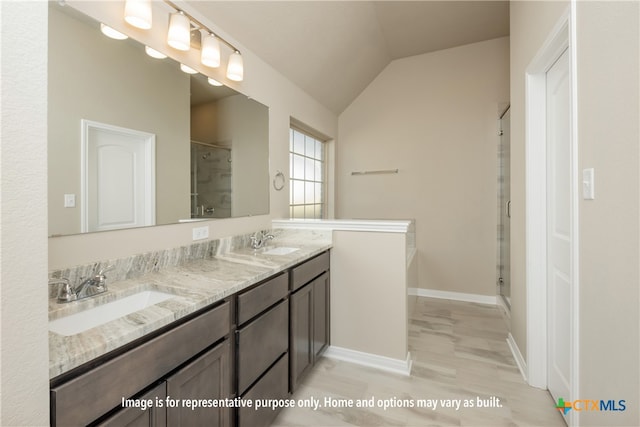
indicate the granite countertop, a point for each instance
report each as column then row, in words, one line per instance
column 195, row 284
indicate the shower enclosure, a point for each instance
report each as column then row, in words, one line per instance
column 504, row 208
column 210, row 181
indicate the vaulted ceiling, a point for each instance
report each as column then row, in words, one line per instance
column 334, row 49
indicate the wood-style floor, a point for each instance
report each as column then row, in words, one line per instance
column 459, row 351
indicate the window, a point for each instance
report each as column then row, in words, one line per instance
column 306, row 157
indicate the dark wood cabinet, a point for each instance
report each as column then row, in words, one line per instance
column 321, row 329
column 208, row 377
column 301, row 334
column 309, row 316
column 135, row 417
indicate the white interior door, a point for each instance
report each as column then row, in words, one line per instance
column 118, row 177
column 560, row 278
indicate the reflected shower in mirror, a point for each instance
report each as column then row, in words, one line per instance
column 114, row 83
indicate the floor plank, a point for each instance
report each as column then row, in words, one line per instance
column 459, row 352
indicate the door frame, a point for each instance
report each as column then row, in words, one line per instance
column 150, row 167
column 562, row 37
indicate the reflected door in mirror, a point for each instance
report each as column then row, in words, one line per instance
column 118, row 175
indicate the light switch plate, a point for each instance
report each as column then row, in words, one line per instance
column 69, row 200
column 588, row 184
column 200, row 233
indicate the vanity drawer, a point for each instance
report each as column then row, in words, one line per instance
column 88, row 396
column 273, row 385
column 258, row 299
column 260, row 343
column 308, row 271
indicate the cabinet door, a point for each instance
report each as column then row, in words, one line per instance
column 301, row 351
column 135, row 417
column 207, row 377
column 320, row 299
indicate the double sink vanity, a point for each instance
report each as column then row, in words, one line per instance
column 191, row 332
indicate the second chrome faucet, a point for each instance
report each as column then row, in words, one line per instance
column 260, row 238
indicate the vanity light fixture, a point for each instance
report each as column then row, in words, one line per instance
column 179, row 36
column 210, row 53
column 209, row 42
column 214, row 82
column 235, row 68
column 154, row 53
column 138, row 13
column 110, row 32
column 187, row 69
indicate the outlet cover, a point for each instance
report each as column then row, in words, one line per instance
column 200, row 233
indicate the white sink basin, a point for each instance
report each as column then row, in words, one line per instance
column 101, row 314
column 281, row 250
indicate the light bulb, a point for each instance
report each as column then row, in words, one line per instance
column 179, row 36
column 214, row 82
column 210, row 55
column 110, row 32
column 138, row 13
column 154, row 53
column 188, row 69
column 235, row 68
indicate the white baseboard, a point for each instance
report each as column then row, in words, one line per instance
column 506, row 311
column 456, row 296
column 515, row 351
column 384, row 363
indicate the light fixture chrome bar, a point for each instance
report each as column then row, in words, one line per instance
column 378, row 172
column 200, row 26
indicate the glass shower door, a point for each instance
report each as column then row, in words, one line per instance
column 210, row 181
column 504, row 229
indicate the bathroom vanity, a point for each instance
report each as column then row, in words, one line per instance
column 243, row 325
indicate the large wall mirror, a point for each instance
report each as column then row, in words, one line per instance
column 135, row 141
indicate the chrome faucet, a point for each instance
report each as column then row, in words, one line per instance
column 86, row 288
column 260, row 238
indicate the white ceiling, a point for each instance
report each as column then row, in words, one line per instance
column 334, row 49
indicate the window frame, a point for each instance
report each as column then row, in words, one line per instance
column 322, row 204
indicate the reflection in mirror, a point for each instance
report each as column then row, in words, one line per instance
column 211, row 143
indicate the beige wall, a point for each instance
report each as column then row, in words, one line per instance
column 434, row 117
column 608, row 43
column 531, row 22
column 261, row 83
column 204, row 123
column 96, row 78
column 369, row 293
column 24, row 365
column 244, row 127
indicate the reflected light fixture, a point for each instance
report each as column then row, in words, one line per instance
column 110, row 32
column 179, row 36
column 138, row 13
column 154, row 53
column 214, row 82
column 210, row 54
column 188, row 69
column 235, row 68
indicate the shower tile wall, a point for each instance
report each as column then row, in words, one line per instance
column 210, row 181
